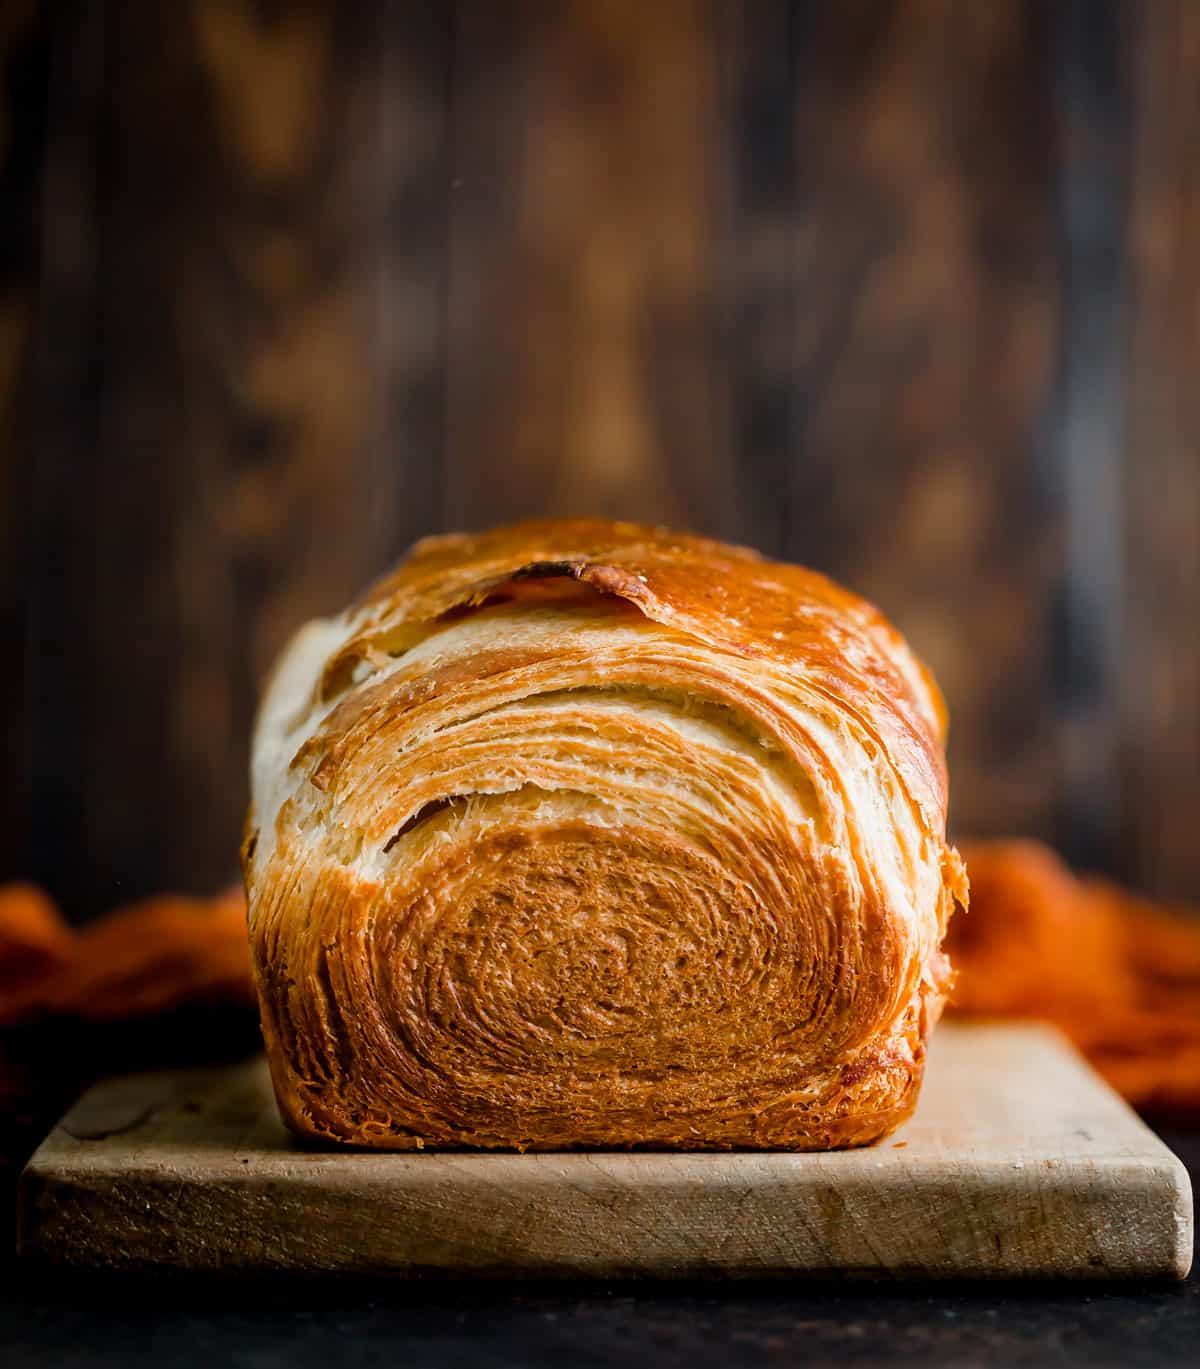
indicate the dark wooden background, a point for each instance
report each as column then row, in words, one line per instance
column 906, row 290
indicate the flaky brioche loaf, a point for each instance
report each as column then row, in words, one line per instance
column 591, row 834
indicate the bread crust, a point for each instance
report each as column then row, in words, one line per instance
column 590, row 834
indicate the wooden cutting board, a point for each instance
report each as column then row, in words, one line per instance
column 1019, row 1162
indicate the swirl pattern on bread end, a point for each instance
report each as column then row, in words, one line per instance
column 583, row 834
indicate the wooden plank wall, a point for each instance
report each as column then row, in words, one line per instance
column 24, row 65
column 1160, row 702
column 890, row 288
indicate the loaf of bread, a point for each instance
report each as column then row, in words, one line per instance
column 588, row 834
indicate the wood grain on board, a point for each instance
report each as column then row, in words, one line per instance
column 1018, row 1162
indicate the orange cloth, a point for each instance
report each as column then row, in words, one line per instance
column 35, row 943
column 1118, row 973
column 142, row 960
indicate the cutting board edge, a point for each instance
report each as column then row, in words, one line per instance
column 1155, row 1197
column 1120, row 1213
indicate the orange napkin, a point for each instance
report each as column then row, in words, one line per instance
column 1118, row 973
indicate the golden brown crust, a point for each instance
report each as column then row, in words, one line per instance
column 591, row 834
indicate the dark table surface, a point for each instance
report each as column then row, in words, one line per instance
column 60, row 1322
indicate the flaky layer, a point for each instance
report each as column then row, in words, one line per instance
column 588, row 834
